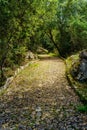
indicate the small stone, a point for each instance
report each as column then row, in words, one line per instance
column 21, row 127
column 40, row 85
column 38, row 114
column 29, row 128
column 38, row 109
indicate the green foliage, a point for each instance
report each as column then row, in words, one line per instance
column 82, row 108
column 19, row 54
column 52, row 24
column 54, row 54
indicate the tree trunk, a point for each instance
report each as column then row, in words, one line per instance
column 53, row 41
column 1, row 76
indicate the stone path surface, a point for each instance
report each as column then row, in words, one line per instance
column 40, row 98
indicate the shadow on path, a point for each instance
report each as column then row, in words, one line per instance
column 41, row 99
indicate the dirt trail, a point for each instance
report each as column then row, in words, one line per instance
column 41, row 99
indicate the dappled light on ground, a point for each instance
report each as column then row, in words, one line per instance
column 41, row 99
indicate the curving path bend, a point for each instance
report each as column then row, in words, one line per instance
column 40, row 98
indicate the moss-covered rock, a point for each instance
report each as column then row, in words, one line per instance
column 73, row 64
column 74, row 70
column 78, row 68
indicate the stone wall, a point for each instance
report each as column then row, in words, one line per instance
column 10, row 79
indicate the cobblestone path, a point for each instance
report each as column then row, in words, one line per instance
column 40, row 98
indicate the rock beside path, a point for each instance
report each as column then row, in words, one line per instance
column 31, row 56
column 79, row 68
column 40, row 98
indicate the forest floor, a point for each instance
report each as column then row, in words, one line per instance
column 40, row 98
